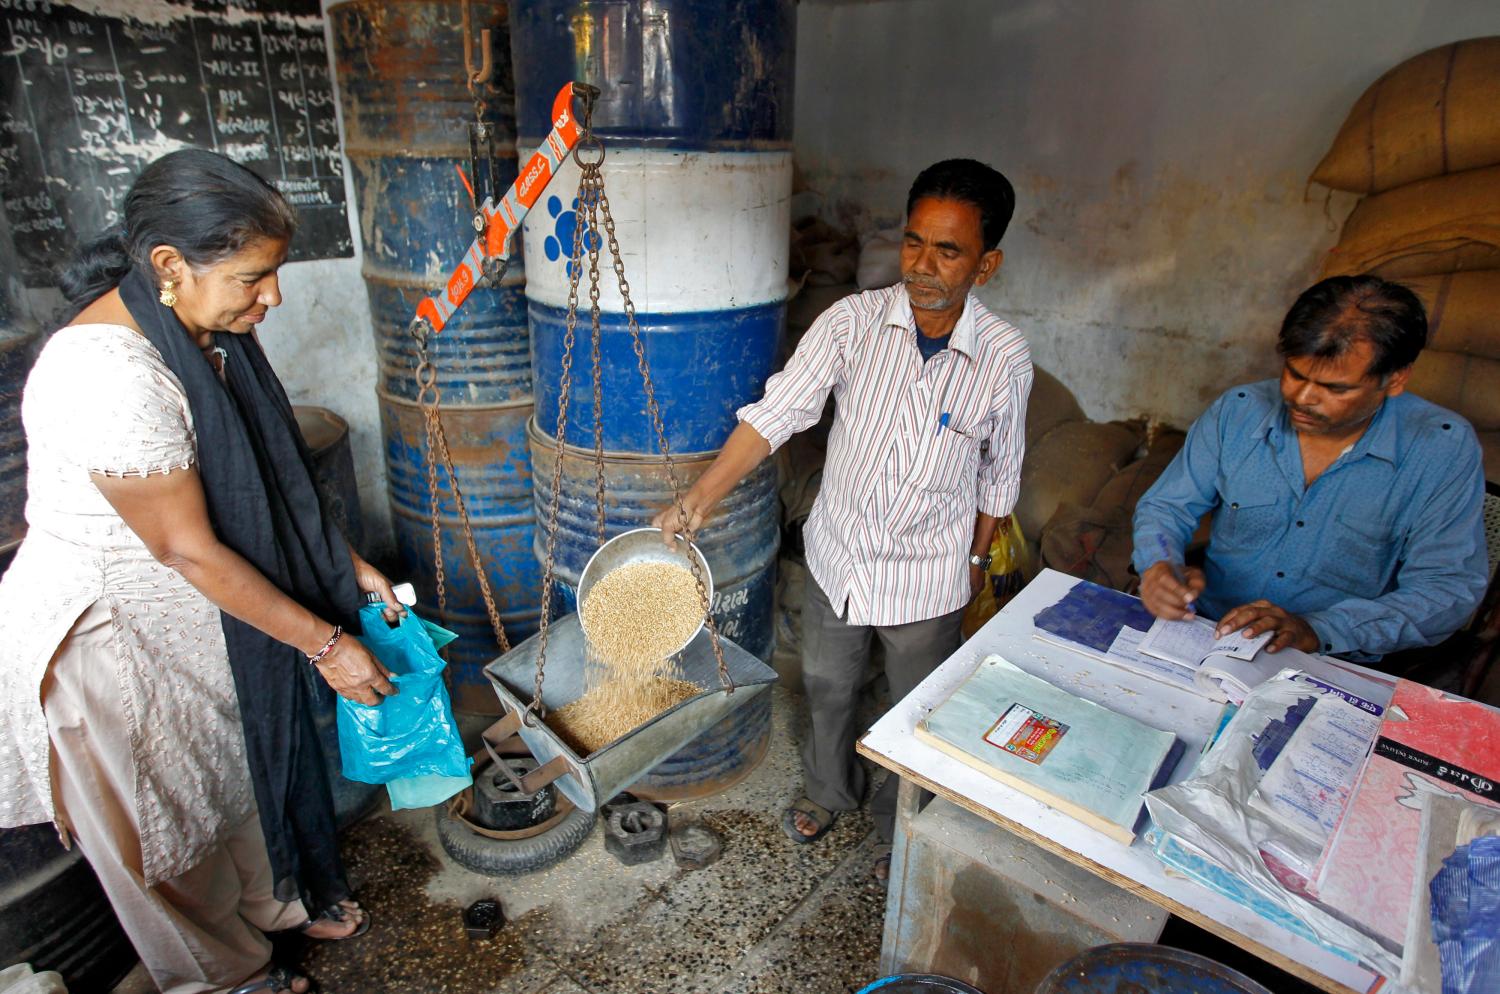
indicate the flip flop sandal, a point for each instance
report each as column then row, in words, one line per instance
column 881, row 870
column 278, row 979
column 335, row 913
column 819, row 814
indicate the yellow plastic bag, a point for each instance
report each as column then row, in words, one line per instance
column 1010, row 565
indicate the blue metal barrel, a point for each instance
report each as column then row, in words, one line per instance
column 704, row 238
column 406, row 108
column 740, row 543
column 740, row 540
column 695, row 109
column 1145, row 968
column 490, row 455
column 734, row 350
column 690, row 73
column 17, row 350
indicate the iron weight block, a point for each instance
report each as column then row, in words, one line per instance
column 636, row 833
column 695, row 845
column 500, row 805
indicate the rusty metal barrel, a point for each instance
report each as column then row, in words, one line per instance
column 739, row 541
column 695, row 111
column 406, row 110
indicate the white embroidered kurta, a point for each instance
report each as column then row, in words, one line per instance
column 100, row 399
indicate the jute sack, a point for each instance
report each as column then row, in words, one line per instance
column 1050, row 405
column 1096, row 542
column 1467, row 384
column 1093, row 543
column 1071, row 464
column 1438, row 225
column 1463, row 311
column 1125, row 488
column 1435, row 113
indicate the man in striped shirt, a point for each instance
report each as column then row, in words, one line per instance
column 924, row 458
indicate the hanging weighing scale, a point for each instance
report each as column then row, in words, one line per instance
column 547, row 671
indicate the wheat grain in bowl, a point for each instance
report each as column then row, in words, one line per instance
column 639, row 614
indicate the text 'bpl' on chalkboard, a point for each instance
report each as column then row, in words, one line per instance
column 92, row 91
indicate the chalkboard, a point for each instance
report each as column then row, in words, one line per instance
column 93, row 90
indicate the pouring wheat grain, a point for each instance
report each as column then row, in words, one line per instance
column 637, row 616
column 635, row 619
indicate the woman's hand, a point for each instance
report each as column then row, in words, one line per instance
column 353, row 673
column 372, row 581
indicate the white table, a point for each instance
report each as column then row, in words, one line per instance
column 891, row 743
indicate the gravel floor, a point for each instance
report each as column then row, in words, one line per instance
column 770, row 916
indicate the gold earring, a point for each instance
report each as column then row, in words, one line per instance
column 168, row 296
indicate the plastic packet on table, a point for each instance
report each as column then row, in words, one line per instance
column 1213, row 814
column 409, row 742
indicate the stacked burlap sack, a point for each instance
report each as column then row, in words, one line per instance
column 1423, row 145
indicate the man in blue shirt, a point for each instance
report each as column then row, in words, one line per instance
column 1347, row 512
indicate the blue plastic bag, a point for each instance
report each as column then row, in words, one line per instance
column 408, row 742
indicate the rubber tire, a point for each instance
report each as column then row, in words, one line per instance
column 506, row 857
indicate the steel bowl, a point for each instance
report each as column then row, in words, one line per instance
column 641, row 545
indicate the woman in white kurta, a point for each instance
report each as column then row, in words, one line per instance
column 119, row 716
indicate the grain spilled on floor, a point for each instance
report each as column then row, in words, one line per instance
column 415, row 945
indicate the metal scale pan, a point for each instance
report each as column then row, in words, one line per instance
column 592, row 780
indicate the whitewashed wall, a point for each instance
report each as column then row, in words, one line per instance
column 1159, row 149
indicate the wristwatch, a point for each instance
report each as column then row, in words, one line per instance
column 983, row 562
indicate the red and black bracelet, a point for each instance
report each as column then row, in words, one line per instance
column 333, row 640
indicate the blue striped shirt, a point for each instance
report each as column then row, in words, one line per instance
column 1384, row 551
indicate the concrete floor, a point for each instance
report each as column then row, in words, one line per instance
column 770, row 916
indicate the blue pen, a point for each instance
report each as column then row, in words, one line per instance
column 943, row 422
column 1166, row 555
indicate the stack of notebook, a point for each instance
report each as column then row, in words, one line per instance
column 1071, row 754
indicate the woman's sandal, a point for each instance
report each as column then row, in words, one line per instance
column 337, row 913
column 820, row 816
column 279, row 978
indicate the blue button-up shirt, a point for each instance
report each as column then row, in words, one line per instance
column 1383, row 552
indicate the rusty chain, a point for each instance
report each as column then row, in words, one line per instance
column 592, row 208
column 430, row 399
column 597, row 209
column 594, row 315
column 565, row 388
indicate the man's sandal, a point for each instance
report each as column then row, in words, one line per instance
column 278, row 979
column 337, row 913
column 820, row 815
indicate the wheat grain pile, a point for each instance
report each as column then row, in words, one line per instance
column 635, row 619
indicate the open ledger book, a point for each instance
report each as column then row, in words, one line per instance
column 1071, row 754
column 1224, row 668
column 1116, row 628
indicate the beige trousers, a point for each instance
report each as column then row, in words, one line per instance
column 199, row 932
